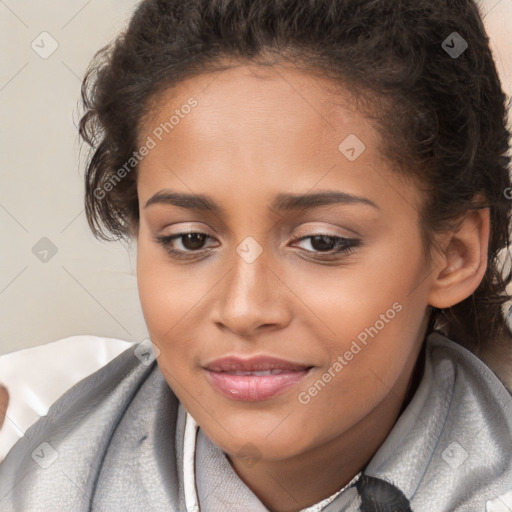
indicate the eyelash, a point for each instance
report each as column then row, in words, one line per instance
column 345, row 245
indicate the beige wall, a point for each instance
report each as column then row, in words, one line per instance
column 498, row 22
column 87, row 287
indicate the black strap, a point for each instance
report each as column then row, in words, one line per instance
column 380, row 496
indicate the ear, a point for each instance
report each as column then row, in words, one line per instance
column 462, row 263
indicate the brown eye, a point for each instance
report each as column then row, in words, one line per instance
column 191, row 243
column 323, row 243
column 330, row 244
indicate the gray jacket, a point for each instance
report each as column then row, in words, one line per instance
column 114, row 442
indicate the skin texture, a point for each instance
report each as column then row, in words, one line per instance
column 257, row 132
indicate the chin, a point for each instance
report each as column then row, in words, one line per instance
column 254, row 441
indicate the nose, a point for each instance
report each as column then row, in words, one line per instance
column 251, row 298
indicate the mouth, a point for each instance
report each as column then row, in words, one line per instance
column 255, row 379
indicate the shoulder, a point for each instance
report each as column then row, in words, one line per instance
column 455, row 433
column 473, row 454
column 71, row 438
column 36, row 377
column 447, row 355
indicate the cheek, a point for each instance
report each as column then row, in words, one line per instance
column 340, row 303
column 367, row 363
column 166, row 292
column 162, row 297
column 164, row 305
column 173, row 299
column 367, row 316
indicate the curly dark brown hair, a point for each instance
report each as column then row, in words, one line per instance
column 442, row 117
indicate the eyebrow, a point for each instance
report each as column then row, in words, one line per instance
column 282, row 202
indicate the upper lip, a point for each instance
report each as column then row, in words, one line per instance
column 259, row 363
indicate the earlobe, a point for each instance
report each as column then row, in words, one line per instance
column 462, row 265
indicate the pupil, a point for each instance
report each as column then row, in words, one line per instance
column 325, row 243
column 193, row 241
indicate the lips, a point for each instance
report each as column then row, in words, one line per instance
column 254, row 364
column 255, row 379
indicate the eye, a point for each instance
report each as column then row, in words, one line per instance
column 192, row 242
column 330, row 245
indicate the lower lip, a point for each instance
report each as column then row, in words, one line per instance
column 254, row 388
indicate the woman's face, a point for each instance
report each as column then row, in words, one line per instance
column 274, row 179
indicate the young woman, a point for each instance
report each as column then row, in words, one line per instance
column 318, row 194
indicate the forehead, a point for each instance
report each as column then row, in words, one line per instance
column 236, row 87
column 259, row 127
column 280, row 92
